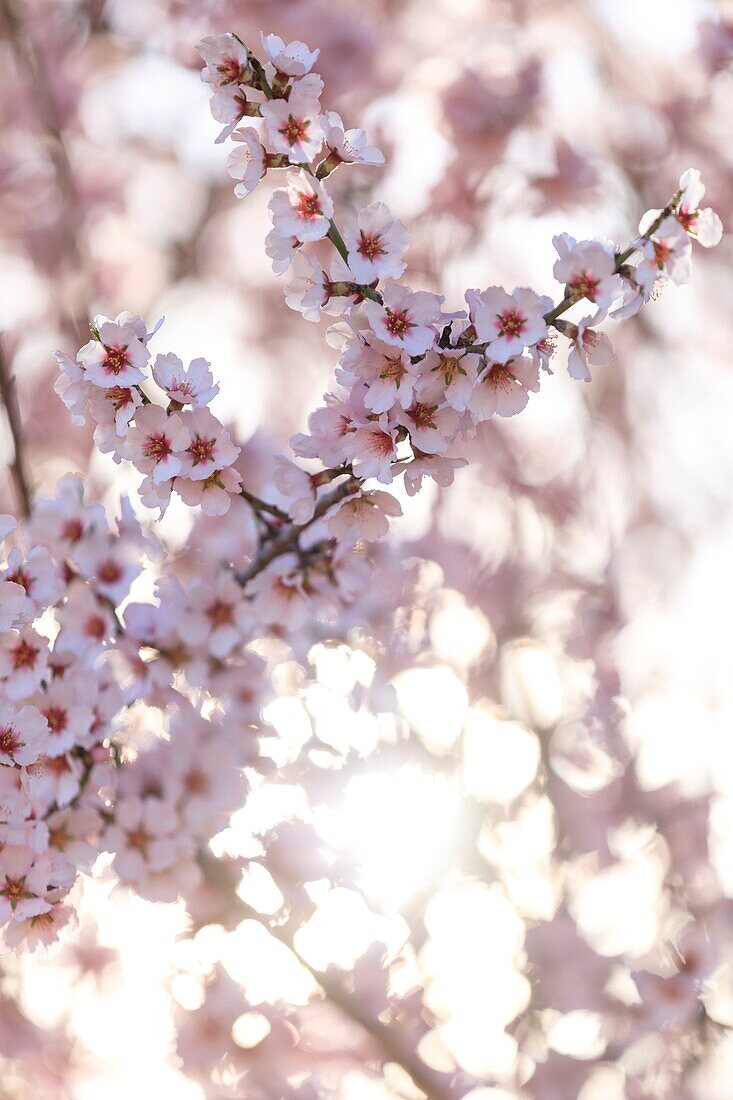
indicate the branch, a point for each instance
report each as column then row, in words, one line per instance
column 434, row 1084
column 18, row 470
column 288, row 539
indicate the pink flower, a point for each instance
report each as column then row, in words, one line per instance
column 388, row 371
column 293, row 59
column 67, row 717
column 364, row 515
column 229, row 105
column 110, row 565
column 431, row 427
column 115, row 359
column 39, row 576
column 302, row 209
column 587, row 270
column 215, row 616
column 227, row 60
column 347, row 146
column 41, row 928
column 147, row 842
column 588, row 348
column 329, row 426
column 667, row 252
column 192, row 385
column 297, row 486
column 704, row 226
column 23, row 661
column 23, row 735
column 447, row 376
column 213, row 494
column 13, row 605
column 504, row 388
column 281, row 250
column 311, row 291
column 508, row 323
column 246, row 162
column 373, row 450
column 86, row 624
column 376, row 241
column 115, row 406
column 437, row 467
column 292, row 126
column 71, row 386
column 278, row 593
column 407, row 319
column 157, row 443
column 24, row 880
column 210, row 448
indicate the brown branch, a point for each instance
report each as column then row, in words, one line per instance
column 288, row 539
column 18, row 468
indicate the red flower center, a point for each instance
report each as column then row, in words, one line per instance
column 57, row 718
column 398, row 322
column 10, row 742
column 295, row 129
column 116, row 359
column 585, row 285
column 157, row 446
column 370, row 245
column 201, row 450
column 219, row 612
column 511, row 323
column 308, row 206
column 24, row 655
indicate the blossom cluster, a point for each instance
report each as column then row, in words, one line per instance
column 414, row 381
column 181, row 446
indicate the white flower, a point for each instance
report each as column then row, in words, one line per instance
column 71, row 386
column 703, row 225
column 373, row 450
column 157, row 442
column 376, row 241
column 348, row 146
column 667, row 252
column 114, row 407
column 23, row 735
column 406, row 319
column 215, row 616
column 447, row 376
column 12, row 605
column 246, row 162
column 588, row 348
column 388, row 371
column 364, row 515
column 281, row 250
column 587, row 270
column 302, row 208
column 23, row 662
column 292, row 126
column 310, row 292
column 213, row 494
column 504, row 388
column 192, row 385
column 437, row 467
column 118, row 356
column 297, row 486
column 295, row 59
column 210, row 448
column 508, row 323
column 227, row 60
column 431, row 427
column 278, row 593
column 39, row 576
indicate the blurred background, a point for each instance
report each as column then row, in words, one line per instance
column 561, row 650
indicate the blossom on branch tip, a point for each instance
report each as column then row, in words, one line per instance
column 588, row 270
column 226, row 60
column 504, row 388
column 364, row 515
column 294, row 59
column 192, row 385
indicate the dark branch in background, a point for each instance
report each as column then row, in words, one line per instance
column 435, row 1085
column 18, row 470
column 30, row 62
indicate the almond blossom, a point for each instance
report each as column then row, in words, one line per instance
column 226, row 60
column 292, row 126
column 508, row 323
column 157, row 442
column 23, row 735
column 588, row 270
column 504, row 388
column 376, row 241
column 345, row 146
column 406, row 319
column 294, row 59
column 192, row 385
column 588, row 348
column 703, row 225
column 116, row 357
column 301, row 209
column 364, row 515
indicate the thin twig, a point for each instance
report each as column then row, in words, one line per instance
column 18, row 467
column 288, row 539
